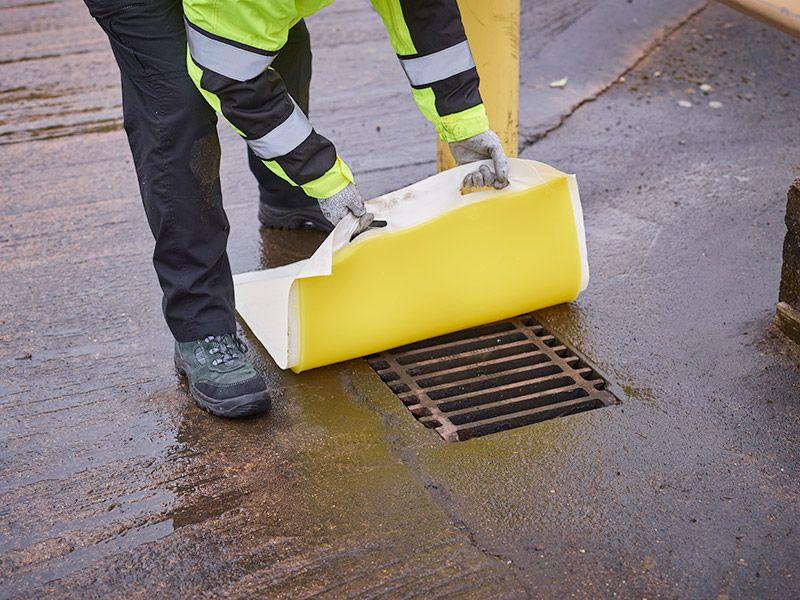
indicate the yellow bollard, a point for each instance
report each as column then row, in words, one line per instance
column 493, row 32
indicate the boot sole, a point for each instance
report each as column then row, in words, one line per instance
column 237, row 407
column 276, row 217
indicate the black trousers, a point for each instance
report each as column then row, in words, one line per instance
column 173, row 138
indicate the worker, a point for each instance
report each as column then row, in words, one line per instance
column 173, row 138
column 244, row 76
column 233, row 47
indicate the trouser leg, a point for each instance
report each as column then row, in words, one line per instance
column 173, row 139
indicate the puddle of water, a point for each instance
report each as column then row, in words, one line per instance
column 59, row 131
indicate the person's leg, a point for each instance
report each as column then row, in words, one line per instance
column 283, row 205
column 173, row 139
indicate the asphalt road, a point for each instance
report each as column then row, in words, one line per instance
column 112, row 484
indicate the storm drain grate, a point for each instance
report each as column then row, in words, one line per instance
column 491, row 378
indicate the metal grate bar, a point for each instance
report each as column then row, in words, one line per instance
column 525, row 382
column 499, row 350
column 491, row 378
column 565, row 389
column 466, row 334
column 503, row 423
column 437, row 352
column 481, row 381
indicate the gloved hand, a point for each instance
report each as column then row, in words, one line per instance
column 348, row 200
column 479, row 147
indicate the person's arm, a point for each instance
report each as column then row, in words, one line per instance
column 236, row 79
column 429, row 40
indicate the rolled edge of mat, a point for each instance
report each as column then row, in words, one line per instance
column 580, row 229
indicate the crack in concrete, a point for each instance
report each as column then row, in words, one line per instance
column 529, row 141
column 441, row 499
column 407, row 455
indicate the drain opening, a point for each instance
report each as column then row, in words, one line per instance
column 491, row 378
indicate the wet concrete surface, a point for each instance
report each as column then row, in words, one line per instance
column 114, row 485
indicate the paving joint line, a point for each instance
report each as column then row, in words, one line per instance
column 406, row 455
column 531, row 140
column 441, row 499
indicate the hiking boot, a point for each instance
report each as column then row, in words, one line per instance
column 306, row 215
column 220, row 379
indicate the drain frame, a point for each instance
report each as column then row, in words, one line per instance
column 492, row 378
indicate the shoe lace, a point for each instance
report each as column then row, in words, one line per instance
column 224, row 348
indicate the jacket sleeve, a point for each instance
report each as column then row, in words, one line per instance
column 238, row 81
column 428, row 38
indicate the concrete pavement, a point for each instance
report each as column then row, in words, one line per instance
column 114, row 485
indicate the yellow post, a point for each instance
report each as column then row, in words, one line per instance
column 493, row 32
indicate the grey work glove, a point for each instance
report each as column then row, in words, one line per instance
column 348, row 200
column 479, row 147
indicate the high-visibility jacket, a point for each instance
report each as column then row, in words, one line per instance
column 233, row 42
